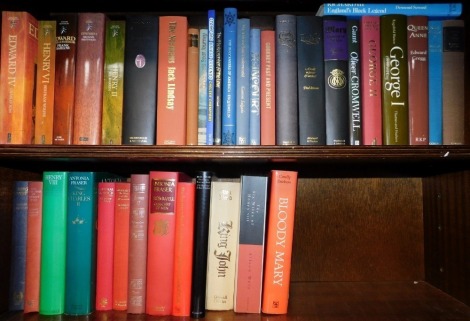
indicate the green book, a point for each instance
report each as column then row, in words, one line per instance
column 113, row 89
column 53, row 246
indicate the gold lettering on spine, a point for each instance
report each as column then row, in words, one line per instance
column 170, row 102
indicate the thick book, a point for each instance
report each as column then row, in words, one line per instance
column 453, row 58
column 287, row 118
column 224, row 227
column 354, row 84
column 140, row 81
column 64, row 86
column 229, row 77
column 53, row 243
column 89, row 81
column 394, row 59
column 201, row 227
column 19, row 223
column 192, row 87
column 184, row 242
column 268, row 87
column 113, row 87
column 451, row 9
column 33, row 247
column 163, row 190
column 371, row 80
column 172, row 74
column 211, row 32
column 243, row 72
column 336, row 80
column 279, row 239
column 311, row 84
column 435, row 42
column 418, row 75
column 251, row 245
column 138, row 243
column 218, row 93
column 202, row 98
column 255, row 86
column 45, row 81
column 18, row 76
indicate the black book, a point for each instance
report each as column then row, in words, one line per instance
column 140, row 80
column 354, row 86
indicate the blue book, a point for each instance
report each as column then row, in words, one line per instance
column 255, row 88
column 18, row 241
column 202, row 110
column 435, row 81
column 219, row 32
column 229, row 77
column 442, row 10
column 210, row 76
column 243, row 81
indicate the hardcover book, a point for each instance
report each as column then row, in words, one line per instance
column 45, row 81
column 192, row 87
column 218, row 93
column 279, row 238
column 202, row 100
column 268, row 87
column 395, row 112
column 113, row 87
column 243, row 73
column 435, row 42
column 255, row 87
column 211, row 17
column 172, row 74
column 88, row 104
column 354, row 84
column 140, row 81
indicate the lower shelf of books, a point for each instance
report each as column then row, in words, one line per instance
column 322, row 301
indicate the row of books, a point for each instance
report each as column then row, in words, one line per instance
column 159, row 243
column 228, row 79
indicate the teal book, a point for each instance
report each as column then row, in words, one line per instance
column 435, row 52
column 53, row 246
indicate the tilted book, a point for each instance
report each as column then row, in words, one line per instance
column 435, row 81
column 354, row 84
column 192, row 87
column 243, row 72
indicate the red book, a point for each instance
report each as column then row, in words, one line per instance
column 33, row 247
column 121, row 245
column 268, row 88
column 172, row 74
column 279, row 237
column 161, row 241
column 371, row 84
column 17, row 76
column 105, row 246
column 138, row 243
column 89, row 78
column 184, row 241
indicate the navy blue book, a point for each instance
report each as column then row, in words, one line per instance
column 354, row 85
column 218, row 63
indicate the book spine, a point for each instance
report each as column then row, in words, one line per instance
column 218, row 93
column 184, row 242
column 418, row 75
column 354, row 84
column 64, row 86
column 192, row 87
column 18, row 245
column 140, row 81
column 371, row 84
column 311, row 86
column 279, row 237
column 268, row 87
column 113, row 87
column 172, row 74
column 243, row 72
column 453, row 113
column 211, row 15
column 255, row 87
column 229, row 77
column 88, row 104
column 394, row 54
column 286, row 80
column 201, row 227
column 33, row 246
column 202, row 106
column 138, row 226
column 45, row 80
column 53, row 243
column 435, row 53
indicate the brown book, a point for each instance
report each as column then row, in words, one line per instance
column 268, row 88
column 45, row 78
column 18, row 78
column 64, row 86
column 89, row 78
column 192, row 88
column 172, row 73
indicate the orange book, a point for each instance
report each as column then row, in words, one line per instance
column 33, row 247
column 184, row 241
column 171, row 83
column 89, row 79
column 64, row 86
column 121, row 245
column 45, row 79
column 280, row 233
column 17, row 76
column 268, row 88
column 192, row 87
column 161, row 241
